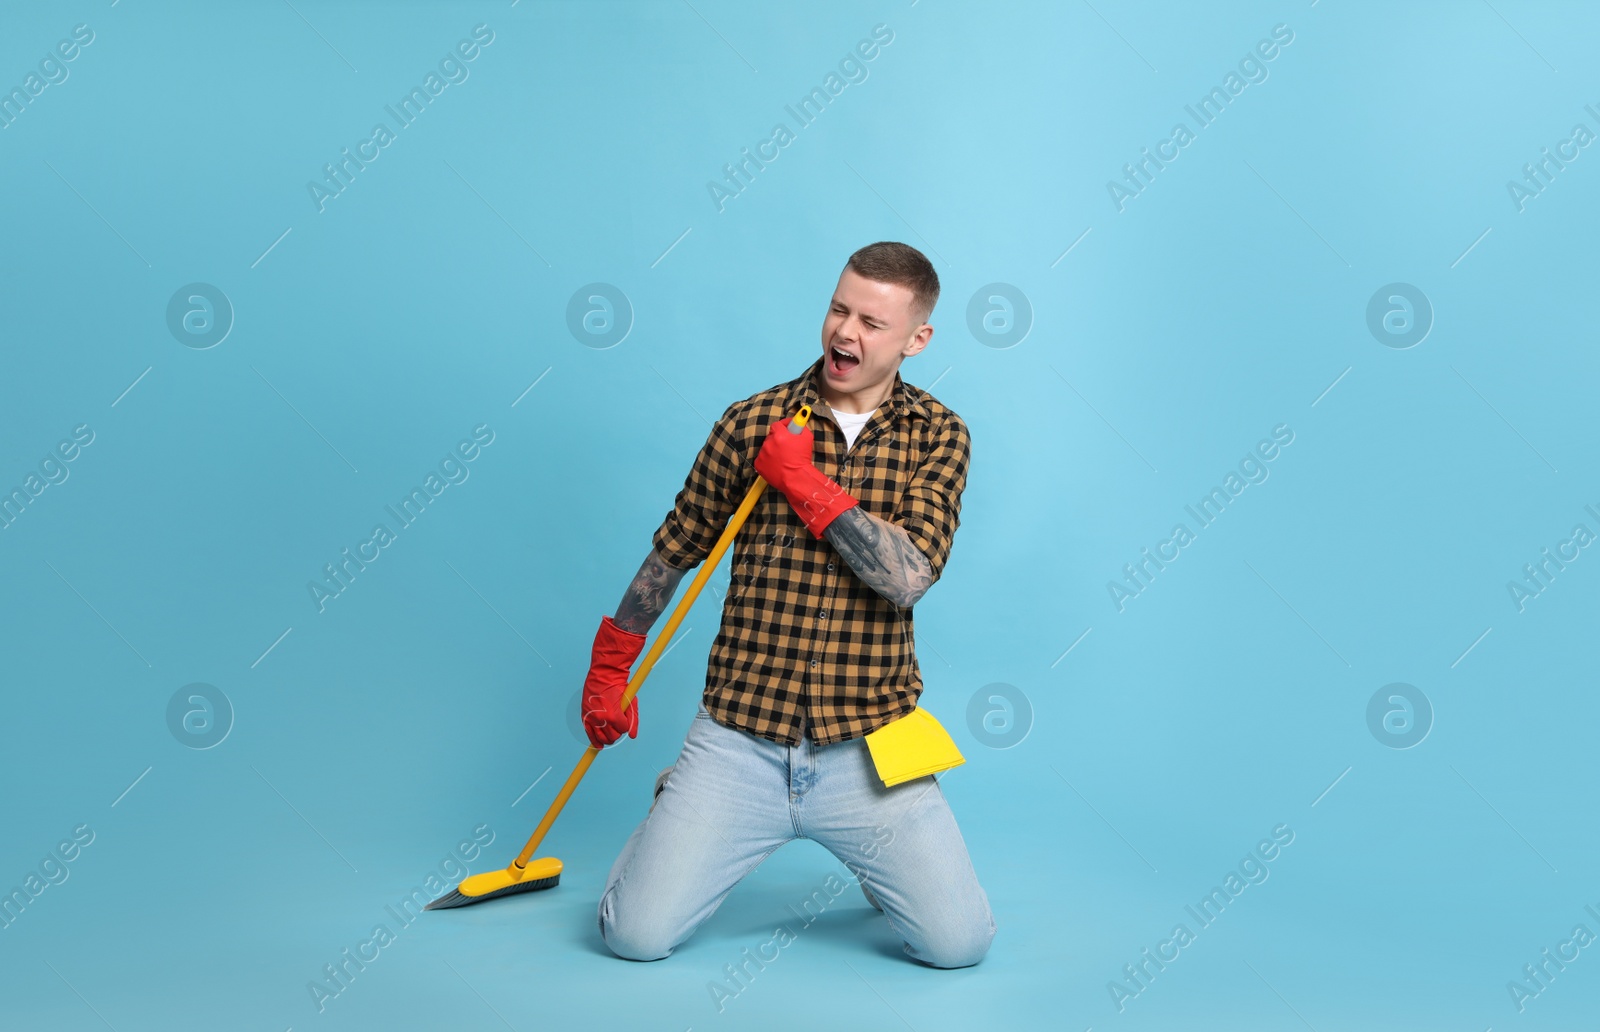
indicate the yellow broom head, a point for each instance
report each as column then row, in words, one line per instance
column 541, row 873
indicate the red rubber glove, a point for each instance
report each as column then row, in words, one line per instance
column 785, row 463
column 609, row 663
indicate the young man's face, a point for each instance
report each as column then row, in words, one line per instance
column 872, row 322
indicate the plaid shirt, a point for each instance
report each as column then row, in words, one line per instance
column 805, row 645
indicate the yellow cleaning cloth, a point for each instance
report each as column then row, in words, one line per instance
column 912, row 746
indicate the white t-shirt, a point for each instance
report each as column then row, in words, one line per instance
column 851, row 423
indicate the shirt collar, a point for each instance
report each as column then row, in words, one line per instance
column 900, row 401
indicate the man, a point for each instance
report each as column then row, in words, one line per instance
column 815, row 648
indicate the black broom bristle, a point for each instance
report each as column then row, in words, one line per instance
column 454, row 898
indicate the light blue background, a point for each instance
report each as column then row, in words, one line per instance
column 1166, row 340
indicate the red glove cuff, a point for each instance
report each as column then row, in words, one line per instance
column 818, row 498
column 614, row 647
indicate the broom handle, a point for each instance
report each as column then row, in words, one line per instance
column 637, row 680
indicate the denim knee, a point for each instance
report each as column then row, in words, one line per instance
column 627, row 938
column 958, row 950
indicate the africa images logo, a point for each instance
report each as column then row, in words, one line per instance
column 453, row 71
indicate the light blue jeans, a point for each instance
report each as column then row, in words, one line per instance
column 733, row 798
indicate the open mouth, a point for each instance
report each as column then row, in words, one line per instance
column 841, row 362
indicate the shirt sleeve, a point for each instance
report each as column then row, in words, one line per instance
column 717, row 483
column 930, row 509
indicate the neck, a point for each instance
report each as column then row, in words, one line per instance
column 856, row 402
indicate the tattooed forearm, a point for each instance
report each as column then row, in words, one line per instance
column 882, row 554
column 648, row 595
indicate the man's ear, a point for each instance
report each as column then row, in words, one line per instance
column 919, row 340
